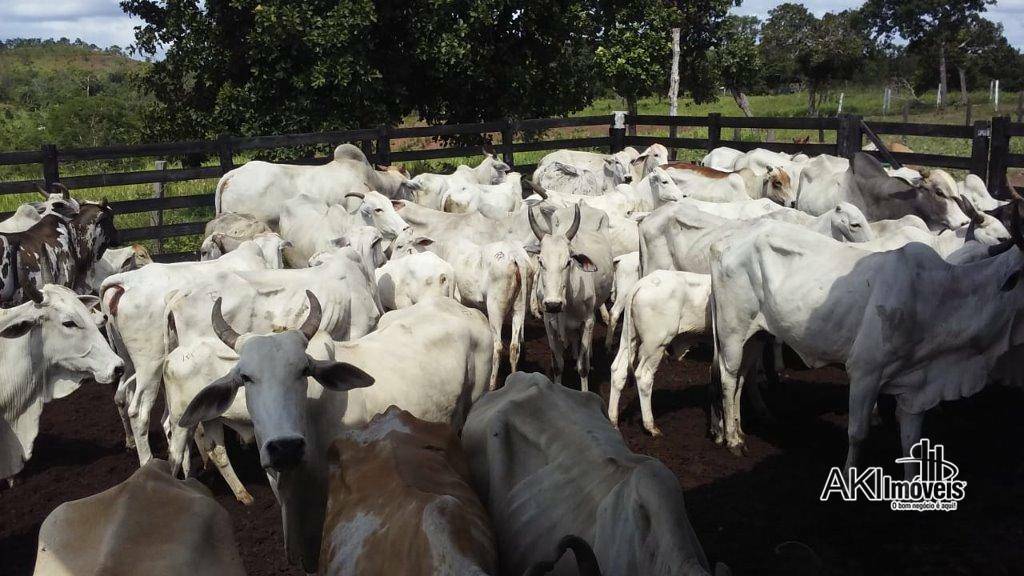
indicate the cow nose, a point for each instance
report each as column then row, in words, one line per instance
column 553, row 306
column 285, row 453
column 628, row 179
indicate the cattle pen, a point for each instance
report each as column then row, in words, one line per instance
column 990, row 156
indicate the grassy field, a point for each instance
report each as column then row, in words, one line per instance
column 867, row 102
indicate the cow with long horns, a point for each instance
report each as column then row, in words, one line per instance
column 295, row 419
column 575, row 279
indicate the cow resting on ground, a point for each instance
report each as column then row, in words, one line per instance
column 406, row 281
column 546, row 462
column 903, row 322
column 400, row 502
column 295, row 419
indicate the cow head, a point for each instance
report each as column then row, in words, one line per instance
column 617, row 170
column 94, row 225
column 73, row 348
column 664, row 187
column 379, row 211
column 8, row 267
column 778, row 187
column 848, row 224
column 367, row 241
column 557, row 259
column 491, row 170
column 655, row 155
column 273, row 369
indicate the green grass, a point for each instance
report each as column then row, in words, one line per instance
column 866, row 102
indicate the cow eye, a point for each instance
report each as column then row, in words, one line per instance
column 378, row 210
column 69, row 324
column 855, row 225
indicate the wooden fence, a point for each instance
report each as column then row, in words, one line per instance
column 989, row 159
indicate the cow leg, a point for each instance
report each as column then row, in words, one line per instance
column 863, row 392
column 497, row 309
column 716, row 422
column 619, row 375
column 910, row 434
column 650, row 354
column 213, row 441
column 736, row 363
column 557, row 346
column 583, row 356
column 146, row 389
column 122, row 397
column 518, row 326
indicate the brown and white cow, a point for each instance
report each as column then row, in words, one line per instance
column 713, row 185
column 400, row 502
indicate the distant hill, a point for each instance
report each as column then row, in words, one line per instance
column 68, row 92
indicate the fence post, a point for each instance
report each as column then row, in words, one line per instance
column 225, row 151
column 51, row 166
column 821, row 130
column 1020, row 105
column 979, row 149
column 714, row 130
column 508, row 132
column 855, row 135
column 383, row 145
column 968, row 113
column 157, row 219
column 999, row 148
column 617, row 132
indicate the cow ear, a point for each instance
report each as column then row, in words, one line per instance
column 211, row 401
column 19, row 329
column 398, row 204
column 587, row 264
column 340, row 242
column 89, row 300
column 532, row 247
column 337, row 376
column 423, row 241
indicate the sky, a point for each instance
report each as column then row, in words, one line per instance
column 102, row 22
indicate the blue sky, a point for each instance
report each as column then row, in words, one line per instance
column 102, row 22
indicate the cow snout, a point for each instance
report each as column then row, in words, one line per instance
column 118, row 372
column 284, row 453
column 553, row 306
column 628, row 179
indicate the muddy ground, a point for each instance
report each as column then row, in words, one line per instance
column 760, row 513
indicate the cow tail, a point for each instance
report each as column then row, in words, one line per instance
column 218, row 194
column 524, row 270
column 613, row 321
column 629, row 342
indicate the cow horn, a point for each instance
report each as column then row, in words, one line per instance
column 968, row 208
column 42, row 191
column 534, row 226
column 577, row 216
column 64, row 192
column 537, row 189
column 312, row 323
column 1013, row 191
column 224, row 330
column 488, row 149
column 359, row 195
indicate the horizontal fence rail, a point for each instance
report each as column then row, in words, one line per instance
column 990, row 152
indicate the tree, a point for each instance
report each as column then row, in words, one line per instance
column 270, row 66
column 738, row 60
column 634, row 46
column 783, row 35
column 932, row 23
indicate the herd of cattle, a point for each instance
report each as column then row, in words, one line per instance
column 362, row 314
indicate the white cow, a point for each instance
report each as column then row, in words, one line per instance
column 494, row 278
column 295, row 419
column 903, row 322
column 406, row 281
column 133, row 301
column 24, row 217
column 739, row 210
column 491, row 200
column 974, row 190
column 679, row 237
column 48, row 346
column 273, row 247
column 584, row 173
column 116, row 260
column 664, row 310
column 627, row 273
column 713, row 185
column 310, row 225
column 149, row 524
column 722, row 158
column 261, row 188
column 575, row 279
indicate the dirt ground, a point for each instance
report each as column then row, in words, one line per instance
column 760, row 514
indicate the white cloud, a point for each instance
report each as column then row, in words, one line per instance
column 99, row 22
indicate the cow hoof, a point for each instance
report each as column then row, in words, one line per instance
column 244, row 498
column 654, row 430
column 738, row 450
